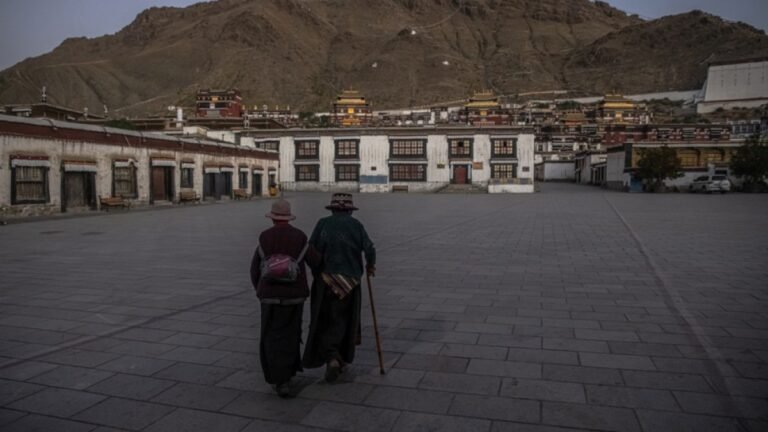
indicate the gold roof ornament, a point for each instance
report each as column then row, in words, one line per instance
column 483, row 99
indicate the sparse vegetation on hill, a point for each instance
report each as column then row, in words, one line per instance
column 397, row 52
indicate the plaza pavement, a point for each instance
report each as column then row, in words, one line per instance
column 570, row 309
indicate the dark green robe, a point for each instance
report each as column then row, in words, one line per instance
column 334, row 328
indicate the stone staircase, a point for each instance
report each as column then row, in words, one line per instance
column 463, row 189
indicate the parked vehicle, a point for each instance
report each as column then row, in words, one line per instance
column 709, row 184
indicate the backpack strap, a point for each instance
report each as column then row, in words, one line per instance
column 303, row 252
column 260, row 252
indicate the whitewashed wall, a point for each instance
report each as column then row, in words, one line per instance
column 614, row 171
column 375, row 161
column 104, row 155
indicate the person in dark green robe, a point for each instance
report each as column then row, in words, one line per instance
column 334, row 328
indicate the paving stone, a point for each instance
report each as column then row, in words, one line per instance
column 522, row 427
column 71, row 377
column 140, row 348
column 460, row 383
column 533, row 342
column 136, row 365
column 195, row 355
column 542, row 356
column 631, row 398
column 589, row 417
column 343, row 417
column 272, row 426
column 24, row 371
column 575, row 345
column 144, row 334
column 81, row 358
column 184, row 420
column 581, row 374
column 393, row 377
column 436, row 363
column 645, row 349
column 419, row 422
column 731, row 406
column 616, row 361
column 57, row 402
column 543, row 390
column 504, row 368
column 266, row 406
column 193, row 340
column 348, row 392
column 606, row 335
column 474, row 351
column 496, row 408
column 197, row 396
column 123, row 413
column 679, row 422
column 7, row 416
column 409, row 399
column 666, row 381
column 38, row 423
column 448, row 337
column 12, row 390
column 130, row 386
column 193, row 373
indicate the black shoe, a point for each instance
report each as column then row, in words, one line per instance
column 284, row 390
column 332, row 371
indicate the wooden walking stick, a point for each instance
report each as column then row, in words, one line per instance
column 375, row 325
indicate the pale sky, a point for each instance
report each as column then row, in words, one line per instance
column 29, row 28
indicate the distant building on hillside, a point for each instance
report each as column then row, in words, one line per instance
column 351, row 110
column 219, row 103
column 484, row 109
column 734, row 84
column 615, row 108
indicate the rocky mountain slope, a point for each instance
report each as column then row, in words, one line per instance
column 397, row 52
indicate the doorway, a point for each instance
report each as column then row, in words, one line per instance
column 162, row 183
column 78, row 191
column 256, row 191
column 209, row 186
column 460, row 174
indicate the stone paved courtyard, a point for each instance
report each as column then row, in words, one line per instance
column 570, row 309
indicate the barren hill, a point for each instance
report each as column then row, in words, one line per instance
column 397, row 52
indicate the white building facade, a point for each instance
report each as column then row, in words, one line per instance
column 397, row 159
column 735, row 85
column 49, row 166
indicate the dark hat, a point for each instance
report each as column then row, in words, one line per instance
column 281, row 210
column 341, row 201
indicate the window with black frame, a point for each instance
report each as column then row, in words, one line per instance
column 408, row 172
column 307, row 149
column 347, row 149
column 242, row 182
column 124, row 181
column 187, row 178
column 30, row 185
column 408, row 148
column 307, row 172
column 271, row 145
column 460, row 148
column 347, row 172
column 504, row 148
column 503, row 171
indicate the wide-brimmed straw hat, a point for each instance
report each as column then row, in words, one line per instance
column 341, row 201
column 281, row 211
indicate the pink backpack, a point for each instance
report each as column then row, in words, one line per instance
column 281, row 268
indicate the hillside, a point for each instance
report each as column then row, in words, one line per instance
column 397, row 52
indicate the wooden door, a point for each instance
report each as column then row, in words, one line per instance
column 75, row 190
column 460, row 174
column 256, row 191
column 158, row 184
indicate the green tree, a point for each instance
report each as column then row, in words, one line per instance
column 658, row 164
column 751, row 162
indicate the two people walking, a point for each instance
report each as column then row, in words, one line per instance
column 334, row 253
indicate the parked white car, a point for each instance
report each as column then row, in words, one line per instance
column 709, row 184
